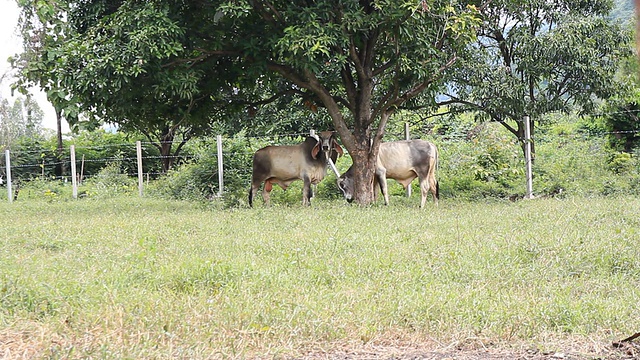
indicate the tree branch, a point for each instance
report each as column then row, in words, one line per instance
column 416, row 90
column 260, row 9
column 205, row 54
column 349, row 86
column 494, row 117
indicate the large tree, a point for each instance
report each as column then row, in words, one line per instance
column 539, row 56
column 162, row 64
column 42, row 27
column 360, row 60
column 116, row 62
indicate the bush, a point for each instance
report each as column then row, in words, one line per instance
column 110, row 181
column 622, row 163
column 574, row 163
column 489, row 164
column 48, row 189
column 198, row 178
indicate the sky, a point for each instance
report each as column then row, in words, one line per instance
column 11, row 44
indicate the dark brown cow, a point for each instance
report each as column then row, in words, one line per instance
column 283, row 165
column 402, row 161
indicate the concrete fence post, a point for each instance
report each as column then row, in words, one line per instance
column 527, row 155
column 140, row 174
column 8, row 164
column 74, row 174
column 220, row 166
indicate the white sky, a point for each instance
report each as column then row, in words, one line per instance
column 10, row 44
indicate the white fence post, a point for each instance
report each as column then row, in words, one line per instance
column 527, row 156
column 8, row 163
column 220, row 163
column 407, row 137
column 74, row 175
column 140, row 175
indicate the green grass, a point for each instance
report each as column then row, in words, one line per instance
column 145, row 278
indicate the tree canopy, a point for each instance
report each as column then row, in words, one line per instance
column 172, row 68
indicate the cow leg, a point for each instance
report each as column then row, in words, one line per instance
column 433, row 183
column 253, row 190
column 424, row 191
column 434, row 187
column 381, row 176
column 306, row 190
column 252, row 193
column 266, row 192
column 376, row 187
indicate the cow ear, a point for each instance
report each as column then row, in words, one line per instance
column 315, row 150
column 337, row 147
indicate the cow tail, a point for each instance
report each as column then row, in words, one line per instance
column 250, row 197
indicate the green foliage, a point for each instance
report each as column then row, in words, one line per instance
column 21, row 119
column 574, row 163
column 198, row 179
column 33, row 157
column 488, row 165
column 98, row 147
column 49, row 189
column 542, row 58
column 36, row 156
column 620, row 121
column 622, row 163
column 111, row 181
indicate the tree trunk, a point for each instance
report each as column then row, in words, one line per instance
column 166, row 141
column 519, row 133
column 364, row 163
column 363, row 177
column 61, row 167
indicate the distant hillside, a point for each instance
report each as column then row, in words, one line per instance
column 622, row 10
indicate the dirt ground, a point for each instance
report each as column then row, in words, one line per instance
column 23, row 346
column 619, row 351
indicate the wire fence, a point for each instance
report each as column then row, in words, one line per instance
column 491, row 157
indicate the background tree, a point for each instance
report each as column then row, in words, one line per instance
column 43, row 28
column 23, row 118
column 111, row 61
column 539, row 57
column 618, row 115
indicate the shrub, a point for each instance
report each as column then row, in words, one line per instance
column 198, row 178
column 490, row 164
column 622, row 163
column 49, row 189
column 111, row 181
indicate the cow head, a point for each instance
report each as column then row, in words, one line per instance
column 346, row 184
column 327, row 143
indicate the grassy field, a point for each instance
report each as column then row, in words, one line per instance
column 144, row 278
